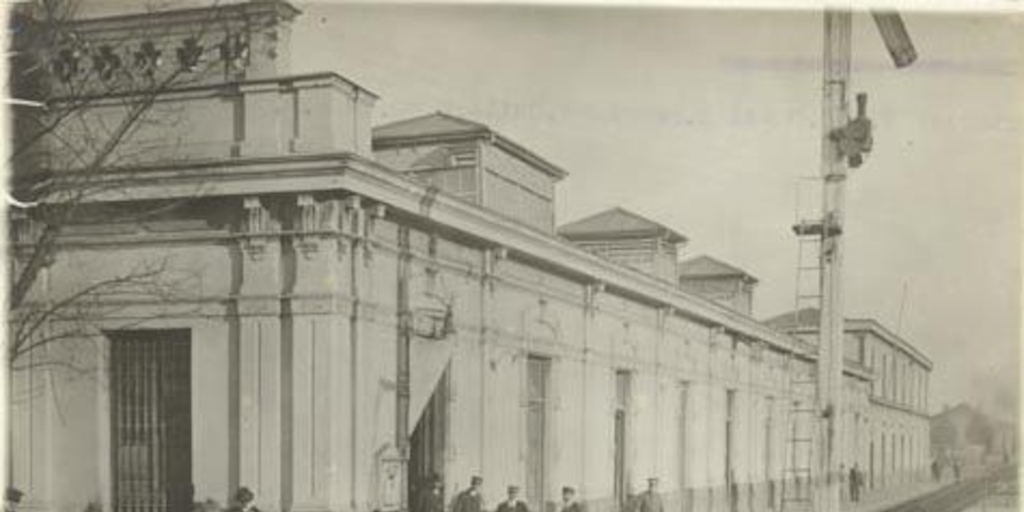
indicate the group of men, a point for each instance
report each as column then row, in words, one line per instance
column 431, row 499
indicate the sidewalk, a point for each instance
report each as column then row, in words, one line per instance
column 886, row 498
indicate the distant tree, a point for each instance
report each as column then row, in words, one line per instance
column 980, row 431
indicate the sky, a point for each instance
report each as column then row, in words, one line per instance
column 708, row 120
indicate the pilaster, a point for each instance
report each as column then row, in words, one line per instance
column 317, row 354
column 260, row 364
column 360, row 473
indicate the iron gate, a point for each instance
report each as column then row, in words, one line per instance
column 151, row 417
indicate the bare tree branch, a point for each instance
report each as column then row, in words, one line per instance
column 62, row 156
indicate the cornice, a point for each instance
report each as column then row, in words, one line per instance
column 893, row 338
column 359, row 175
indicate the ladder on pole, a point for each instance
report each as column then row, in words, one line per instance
column 810, row 244
column 798, row 474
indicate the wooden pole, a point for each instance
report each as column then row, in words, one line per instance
column 835, row 115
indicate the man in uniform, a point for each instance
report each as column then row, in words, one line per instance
column 650, row 500
column 244, row 501
column 470, row 499
column 513, row 503
column 855, row 483
column 569, row 503
column 12, row 498
column 430, row 497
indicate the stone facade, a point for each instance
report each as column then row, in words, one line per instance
column 891, row 433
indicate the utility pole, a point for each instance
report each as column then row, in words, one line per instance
column 834, row 115
column 844, row 142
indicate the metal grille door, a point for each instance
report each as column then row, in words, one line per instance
column 623, row 392
column 151, row 419
column 538, row 370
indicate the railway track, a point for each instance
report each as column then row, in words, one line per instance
column 956, row 497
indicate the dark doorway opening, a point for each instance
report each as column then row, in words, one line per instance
column 151, row 420
column 685, row 499
column 428, row 442
column 623, row 392
column 538, row 388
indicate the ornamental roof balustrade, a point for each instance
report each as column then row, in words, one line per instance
column 74, row 56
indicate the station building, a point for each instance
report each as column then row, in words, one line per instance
column 891, row 439
column 355, row 308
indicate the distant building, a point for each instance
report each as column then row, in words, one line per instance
column 471, row 161
column 964, row 433
column 890, row 437
column 718, row 281
column 626, row 238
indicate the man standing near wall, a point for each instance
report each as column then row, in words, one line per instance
column 244, row 501
column 569, row 503
column 470, row 499
column 430, row 497
column 855, row 483
column 12, row 498
column 513, row 503
column 650, row 500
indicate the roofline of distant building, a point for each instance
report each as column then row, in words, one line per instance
column 671, row 235
column 483, row 132
column 708, row 277
column 872, row 325
column 728, row 270
column 894, row 338
column 656, row 229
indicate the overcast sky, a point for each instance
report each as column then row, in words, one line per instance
column 705, row 120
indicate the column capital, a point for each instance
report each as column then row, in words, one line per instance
column 257, row 227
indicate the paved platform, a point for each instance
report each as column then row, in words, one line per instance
column 885, row 499
column 901, row 493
